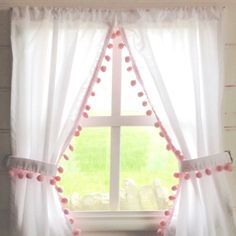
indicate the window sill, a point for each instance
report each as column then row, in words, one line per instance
column 118, row 221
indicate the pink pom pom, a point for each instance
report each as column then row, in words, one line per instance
column 208, row 171
column 60, row 169
column 66, row 157
column 87, row 107
column 121, row 45
column 29, row 175
column 133, row 82
column 157, row 124
column 168, row 147
column 110, row 45
column 93, row 94
column 161, row 134
column 103, row 68
column 98, row 80
column 79, row 128
column 186, row 176
column 71, row 221
column 127, row 59
column 228, row 167
column 171, row 198
column 174, row 187
column 76, row 232
column 177, row 153
column 149, row 112
column 20, row 175
column 144, row 103
column 198, row 174
column 118, row 33
column 177, row 175
column 66, row 211
column 85, row 115
column 129, row 68
column 40, row 178
column 162, row 223
column 219, row 168
column 77, row 133
column 113, row 35
column 180, row 157
column 59, row 189
column 64, row 200
column 57, row 178
column 107, row 58
column 140, row 94
column 166, row 213
column 71, row 147
column 52, row 181
column 11, row 173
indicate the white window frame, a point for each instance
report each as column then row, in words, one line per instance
column 114, row 219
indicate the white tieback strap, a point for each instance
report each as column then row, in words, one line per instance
column 31, row 165
column 206, row 162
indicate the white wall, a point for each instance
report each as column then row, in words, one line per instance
column 5, row 75
column 229, row 104
column 229, row 110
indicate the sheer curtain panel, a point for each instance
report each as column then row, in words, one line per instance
column 55, row 55
column 178, row 53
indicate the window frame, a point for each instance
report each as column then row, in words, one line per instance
column 115, row 121
column 118, row 220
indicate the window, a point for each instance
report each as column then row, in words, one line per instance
column 120, row 162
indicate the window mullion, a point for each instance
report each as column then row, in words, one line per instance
column 104, row 121
column 115, row 130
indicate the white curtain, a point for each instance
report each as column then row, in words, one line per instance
column 177, row 57
column 55, row 55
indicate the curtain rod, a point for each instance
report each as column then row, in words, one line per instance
column 112, row 5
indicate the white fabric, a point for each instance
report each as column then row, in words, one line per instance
column 177, row 55
column 202, row 163
column 32, row 165
column 55, row 54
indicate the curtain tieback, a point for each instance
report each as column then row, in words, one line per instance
column 31, row 165
column 205, row 162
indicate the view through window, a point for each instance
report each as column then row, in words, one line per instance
column 119, row 161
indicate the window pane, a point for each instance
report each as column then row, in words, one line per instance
column 131, row 103
column 146, row 169
column 101, row 102
column 86, row 176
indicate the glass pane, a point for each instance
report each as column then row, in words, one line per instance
column 101, row 102
column 86, row 176
column 131, row 103
column 146, row 170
